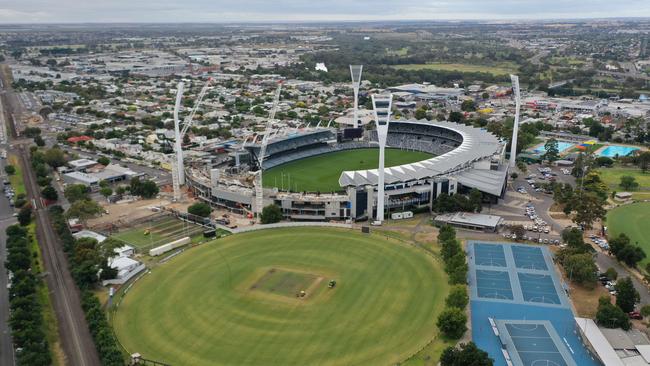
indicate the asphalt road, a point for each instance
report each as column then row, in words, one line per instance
column 6, row 343
column 605, row 261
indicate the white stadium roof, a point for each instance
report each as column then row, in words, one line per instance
column 477, row 144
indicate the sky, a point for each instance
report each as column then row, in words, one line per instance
column 218, row 11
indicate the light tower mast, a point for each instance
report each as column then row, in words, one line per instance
column 515, row 128
column 178, row 164
column 355, row 72
column 382, row 107
column 259, row 187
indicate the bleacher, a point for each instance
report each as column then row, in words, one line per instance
column 280, row 159
column 431, row 139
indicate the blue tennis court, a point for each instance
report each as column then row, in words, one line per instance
column 493, row 285
column 535, row 346
column 489, row 255
column 529, row 258
column 538, row 288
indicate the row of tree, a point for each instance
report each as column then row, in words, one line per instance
column 88, row 263
column 459, row 202
column 616, row 315
column 452, row 321
column 625, row 251
column 26, row 319
column 577, row 258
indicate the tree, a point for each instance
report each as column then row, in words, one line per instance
column 420, row 113
column 49, row 193
column 610, row 315
column 518, row 230
column 84, row 210
column 589, row 208
column 449, row 248
column 581, row 268
column 38, row 140
column 200, row 209
column 106, row 191
column 457, row 297
column 25, row 216
column 643, row 161
column 103, row 160
column 645, row 311
column 628, row 183
column 54, row 157
column 626, row 295
column 552, row 152
column 76, row 192
column 446, row 232
column 10, row 169
column 456, row 117
column 467, row 355
column 271, row 214
column 631, row 255
column 468, row 105
column 145, row 189
column 476, row 200
column 452, row 323
column 616, row 244
column 611, row 274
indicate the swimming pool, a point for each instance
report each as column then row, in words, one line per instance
column 561, row 146
column 616, row 150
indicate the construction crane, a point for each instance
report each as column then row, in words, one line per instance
column 178, row 164
column 259, row 188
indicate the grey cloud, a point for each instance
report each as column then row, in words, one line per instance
column 309, row 10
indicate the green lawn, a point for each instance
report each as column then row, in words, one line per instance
column 201, row 308
column 500, row 69
column 612, row 177
column 632, row 220
column 321, row 173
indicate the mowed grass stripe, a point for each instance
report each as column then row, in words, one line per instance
column 189, row 311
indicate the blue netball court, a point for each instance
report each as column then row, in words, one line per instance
column 521, row 314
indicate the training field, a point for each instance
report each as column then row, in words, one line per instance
column 233, row 301
column 612, row 177
column 156, row 232
column 632, row 220
column 321, row 173
column 504, row 68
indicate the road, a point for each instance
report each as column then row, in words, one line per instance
column 605, row 261
column 6, row 343
column 75, row 337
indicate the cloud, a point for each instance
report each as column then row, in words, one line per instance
column 26, row 11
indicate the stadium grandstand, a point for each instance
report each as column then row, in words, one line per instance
column 464, row 158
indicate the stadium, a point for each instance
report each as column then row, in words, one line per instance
column 424, row 159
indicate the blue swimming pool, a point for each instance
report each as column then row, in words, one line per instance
column 561, row 146
column 616, row 150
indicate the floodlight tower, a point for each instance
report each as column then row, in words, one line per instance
column 382, row 107
column 355, row 71
column 515, row 128
column 258, row 183
column 178, row 149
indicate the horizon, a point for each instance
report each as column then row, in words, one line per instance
column 300, row 11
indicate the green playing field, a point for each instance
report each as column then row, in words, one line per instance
column 632, row 220
column 213, row 305
column 321, row 173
